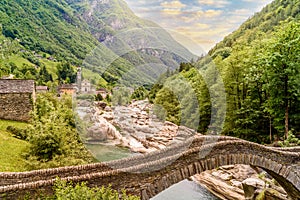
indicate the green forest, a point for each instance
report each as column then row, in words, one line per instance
column 258, row 65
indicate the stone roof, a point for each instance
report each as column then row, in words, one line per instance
column 16, row 86
column 102, row 90
column 67, row 86
column 41, row 87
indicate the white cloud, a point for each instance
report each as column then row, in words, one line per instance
column 209, row 13
column 206, row 21
column 203, row 26
column 176, row 5
column 255, row 1
column 214, row 3
column 172, row 8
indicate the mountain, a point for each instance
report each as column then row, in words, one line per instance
column 75, row 30
column 264, row 21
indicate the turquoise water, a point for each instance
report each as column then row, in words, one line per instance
column 185, row 190
column 108, row 152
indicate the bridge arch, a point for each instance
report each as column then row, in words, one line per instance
column 148, row 175
column 286, row 173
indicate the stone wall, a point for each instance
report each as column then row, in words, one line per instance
column 16, row 106
column 147, row 175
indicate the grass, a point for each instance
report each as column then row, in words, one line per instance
column 94, row 77
column 51, row 66
column 19, row 60
column 11, row 148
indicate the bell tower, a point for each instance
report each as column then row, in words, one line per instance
column 78, row 79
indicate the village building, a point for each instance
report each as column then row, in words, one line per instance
column 103, row 92
column 87, row 87
column 41, row 89
column 70, row 89
column 16, row 99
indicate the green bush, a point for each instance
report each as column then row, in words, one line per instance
column 67, row 191
column 291, row 141
column 90, row 97
column 53, row 136
column 17, row 132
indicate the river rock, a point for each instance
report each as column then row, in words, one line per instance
column 101, row 105
column 103, row 130
column 84, row 103
column 240, row 182
column 219, row 187
column 107, row 109
column 95, row 133
column 109, row 116
column 253, row 187
column 225, row 176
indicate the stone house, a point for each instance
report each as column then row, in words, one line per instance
column 103, row 92
column 87, row 87
column 70, row 89
column 16, row 99
column 41, row 89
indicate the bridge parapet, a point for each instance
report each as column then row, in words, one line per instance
column 46, row 174
column 159, row 170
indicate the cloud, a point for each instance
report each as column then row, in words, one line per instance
column 204, row 21
column 214, row 3
column 245, row 12
column 172, row 8
column 202, row 26
column 255, row 1
column 209, row 13
column 171, row 11
column 176, row 5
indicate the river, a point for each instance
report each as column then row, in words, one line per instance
column 185, row 190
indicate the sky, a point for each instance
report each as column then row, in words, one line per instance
column 197, row 24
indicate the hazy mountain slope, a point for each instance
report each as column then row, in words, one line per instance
column 72, row 29
column 263, row 21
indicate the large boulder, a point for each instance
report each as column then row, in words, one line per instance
column 95, row 133
column 103, row 130
column 253, row 187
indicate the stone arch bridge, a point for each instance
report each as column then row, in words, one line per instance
column 149, row 174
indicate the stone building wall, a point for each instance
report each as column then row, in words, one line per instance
column 16, row 106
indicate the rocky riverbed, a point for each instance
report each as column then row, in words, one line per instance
column 133, row 126
column 241, row 182
column 137, row 128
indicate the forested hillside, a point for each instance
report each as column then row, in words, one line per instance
column 70, row 30
column 264, row 21
column 259, row 67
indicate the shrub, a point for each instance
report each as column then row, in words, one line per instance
column 67, row 191
column 17, row 132
column 291, row 141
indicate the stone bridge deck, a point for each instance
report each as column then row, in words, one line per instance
column 147, row 175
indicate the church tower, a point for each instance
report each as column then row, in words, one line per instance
column 78, row 79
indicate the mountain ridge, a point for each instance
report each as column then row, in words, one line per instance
column 71, row 29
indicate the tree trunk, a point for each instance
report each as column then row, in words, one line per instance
column 286, row 99
column 286, row 121
column 271, row 137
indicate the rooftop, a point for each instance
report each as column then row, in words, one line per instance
column 16, row 86
column 67, row 86
column 41, row 87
